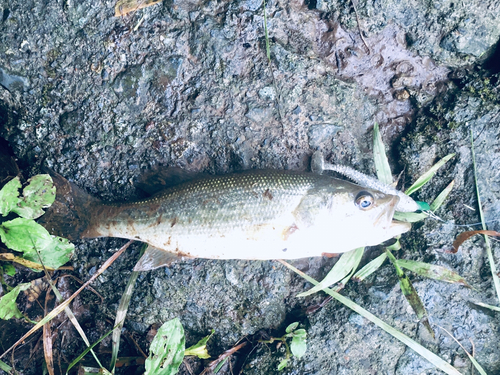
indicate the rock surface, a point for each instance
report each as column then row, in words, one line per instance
column 102, row 99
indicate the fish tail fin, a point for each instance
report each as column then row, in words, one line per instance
column 71, row 213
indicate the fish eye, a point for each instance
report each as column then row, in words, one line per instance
column 364, row 200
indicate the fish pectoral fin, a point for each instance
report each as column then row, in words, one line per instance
column 155, row 258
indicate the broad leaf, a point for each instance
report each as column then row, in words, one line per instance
column 167, row 349
column 9, row 196
column 8, row 307
column 291, row 327
column 40, row 193
column 27, row 236
column 282, row 364
column 299, row 343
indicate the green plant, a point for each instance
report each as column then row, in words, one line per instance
column 22, row 234
column 297, row 347
column 427, row 270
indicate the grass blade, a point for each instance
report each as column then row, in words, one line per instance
column 63, row 305
column 494, row 308
column 496, row 279
column 5, row 367
column 347, row 262
column 436, row 203
column 266, row 35
column 382, row 167
column 472, row 359
column 422, row 180
column 77, row 359
column 122, row 312
column 419, row 349
column 411, row 294
column 432, row 271
column 370, row 268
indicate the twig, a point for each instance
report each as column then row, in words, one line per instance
column 222, row 357
column 62, row 306
column 359, row 28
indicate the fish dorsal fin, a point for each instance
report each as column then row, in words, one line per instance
column 154, row 258
column 161, row 178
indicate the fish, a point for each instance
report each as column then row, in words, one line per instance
column 252, row 215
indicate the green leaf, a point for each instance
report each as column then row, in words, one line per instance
column 9, row 196
column 200, row 348
column 432, row 271
column 27, row 236
column 219, row 366
column 299, row 343
column 40, row 193
column 167, row 349
column 419, row 349
column 409, row 217
column 4, row 366
column 348, row 261
column 494, row 308
column 382, row 166
column 102, row 370
column 282, row 364
column 371, row 267
column 9, row 269
column 425, row 178
column 441, row 197
column 292, row 327
column 8, row 307
column 411, row 294
column 489, row 252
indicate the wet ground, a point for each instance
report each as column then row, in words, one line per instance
column 103, row 99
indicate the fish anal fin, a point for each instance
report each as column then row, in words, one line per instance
column 154, row 258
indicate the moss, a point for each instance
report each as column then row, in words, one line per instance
column 46, row 94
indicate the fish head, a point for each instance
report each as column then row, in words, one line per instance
column 353, row 216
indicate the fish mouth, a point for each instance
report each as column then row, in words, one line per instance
column 386, row 221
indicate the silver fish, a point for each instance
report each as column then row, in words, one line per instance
column 248, row 215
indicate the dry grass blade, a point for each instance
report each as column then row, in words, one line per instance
column 27, row 263
column 464, row 236
column 211, row 366
column 419, row 349
column 67, row 310
column 47, row 341
column 62, row 306
column 122, row 312
column 472, row 359
column 126, row 6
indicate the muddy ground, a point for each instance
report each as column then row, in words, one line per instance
column 103, row 99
